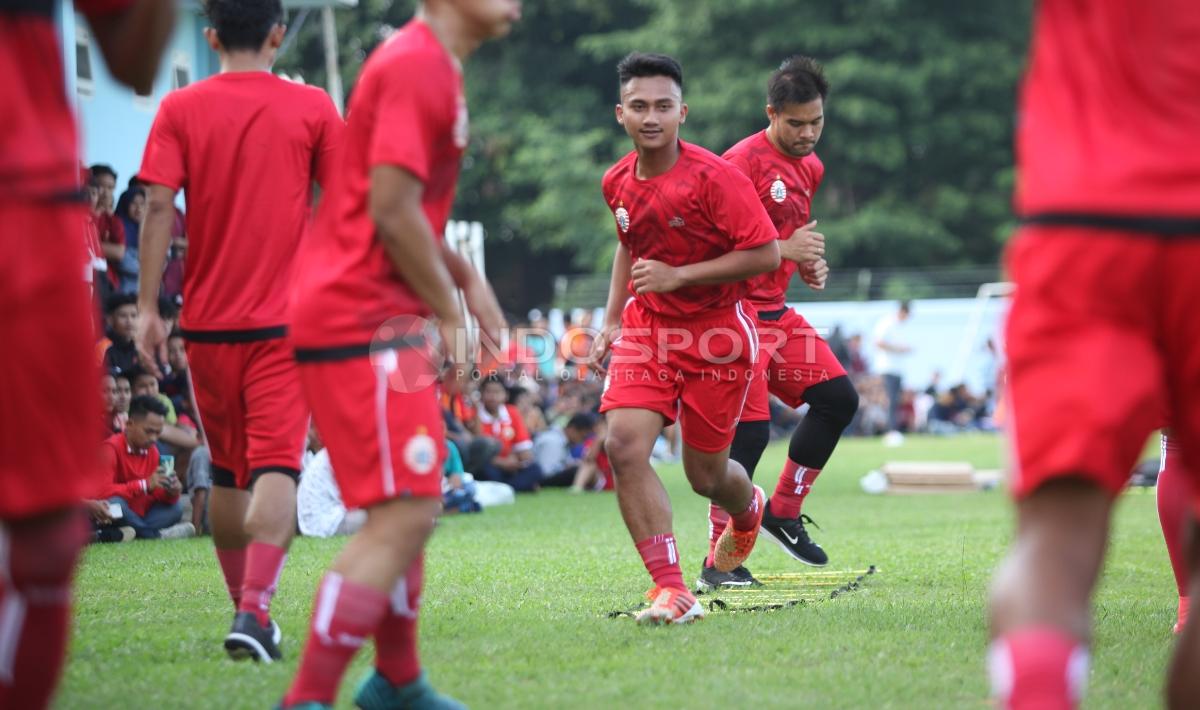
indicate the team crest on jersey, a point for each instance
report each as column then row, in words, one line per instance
column 420, row 454
column 622, row 216
column 462, row 124
column 778, row 190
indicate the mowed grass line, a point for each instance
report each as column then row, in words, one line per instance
column 515, row 601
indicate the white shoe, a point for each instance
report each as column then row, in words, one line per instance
column 178, row 531
column 893, row 439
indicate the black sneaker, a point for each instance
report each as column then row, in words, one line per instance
column 793, row 538
column 711, row 579
column 250, row 639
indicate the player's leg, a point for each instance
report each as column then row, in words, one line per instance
column 276, row 419
column 1174, row 496
column 1076, row 439
column 214, row 374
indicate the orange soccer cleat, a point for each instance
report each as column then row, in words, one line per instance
column 670, row 606
column 734, row 546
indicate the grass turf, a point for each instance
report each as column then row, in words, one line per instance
column 515, row 603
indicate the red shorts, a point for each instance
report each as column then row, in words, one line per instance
column 1103, row 337
column 251, row 408
column 696, row 371
column 385, row 440
column 50, row 429
column 791, row 358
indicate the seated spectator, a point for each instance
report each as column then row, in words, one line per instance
column 132, row 211
column 123, row 395
column 111, row 423
column 177, row 433
column 111, row 229
column 117, row 350
column 172, row 283
column 147, row 498
column 175, row 383
column 560, row 466
column 319, row 508
column 458, row 488
column 594, row 472
column 496, row 419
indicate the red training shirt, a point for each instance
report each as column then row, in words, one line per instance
column 786, row 186
column 408, row 111
column 507, row 427
column 38, row 145
column 245, row 147
column 701, row 208
column 1109, row 118
column 126, row 470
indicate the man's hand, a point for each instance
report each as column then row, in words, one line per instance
column 151, row 340
column 508, row 463
column 803, row 245
column 173, row 485
column 481, row 302
column 650, row 276
column 815, row 273
column 155, row 480
column 601, row 344
column 458, row 355
column 98, row 510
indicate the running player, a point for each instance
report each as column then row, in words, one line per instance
column 47, row 463
column 795, row 363
column 376, row 267
column 245, row 146
column 1103, row 333
column 691, row 231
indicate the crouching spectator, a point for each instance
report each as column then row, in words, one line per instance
column 146, row 498
column 513, row 464
column 458, row 488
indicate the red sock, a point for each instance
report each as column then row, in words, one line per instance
column 264, row 564
column 1181, row 615
column 1038, row 667
column 749, row 518
column 396, row 637
column 233, row 567
column 1174, row 500
column 717, row 520
column 344, row 615
column 795, row 481
column 661, row 557
column 36, row 567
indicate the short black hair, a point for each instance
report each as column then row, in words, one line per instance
column 136, row 372
column 117, row 300
column 797, row 81
column 243, row 24
column 493, row 380
column 144, row 404
column 101, row 169
column 582, row 422
column 639, row 64
column 167, row 308
column 121, row 375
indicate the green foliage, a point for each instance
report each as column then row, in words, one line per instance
column 514, row 604
column 917, row 146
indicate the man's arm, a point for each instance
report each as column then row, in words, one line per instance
column 618, row 294
column 132, row 40
column 477, row 292
column 151, row 336
column 651, row 276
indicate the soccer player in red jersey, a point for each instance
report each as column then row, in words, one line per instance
column 245, row 146
column 795, row 363
column 375, row 268
column 691, row 231
column 47, row 421
column 1103, row 334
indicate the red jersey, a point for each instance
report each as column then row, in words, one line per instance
column 1109, row 110
column 126, row 470
column 701, row 208
column 786, row 186
column 408, row 111
column 245, row 147
column 38, row 146
column 507, row 427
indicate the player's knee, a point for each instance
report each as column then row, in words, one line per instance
column 704, row 485
column 626, row 448
column 836, row 401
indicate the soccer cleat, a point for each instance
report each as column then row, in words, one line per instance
column 734, row 546
column 377, row 693
column 789, row 533
column 250, row 639
column 670, row 606
column 711, row 579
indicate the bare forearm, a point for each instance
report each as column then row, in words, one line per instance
column 133, row 40
column 618, row 287
column 461, row 270
column 113, row 252
column 410, row 244
column 155, row 241
column 737, row 265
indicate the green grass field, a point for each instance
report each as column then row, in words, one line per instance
column 515, row 603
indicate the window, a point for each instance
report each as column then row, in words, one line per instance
column 84, row 78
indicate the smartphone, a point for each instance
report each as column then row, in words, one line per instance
column 167, row 462
column 114, row 511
